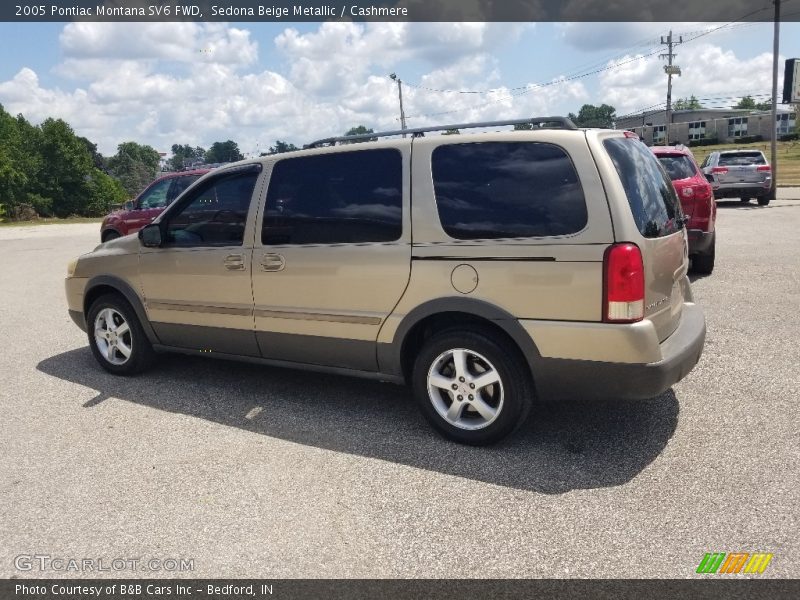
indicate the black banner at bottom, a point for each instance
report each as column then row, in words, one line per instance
column 424, row 589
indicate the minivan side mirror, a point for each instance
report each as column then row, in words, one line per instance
column 129, row 205
column 150, row 236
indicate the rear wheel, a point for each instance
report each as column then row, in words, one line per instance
column 763, row 201
column 116, row 337
column 744, row 200
column 471, row 386
column 703, row 264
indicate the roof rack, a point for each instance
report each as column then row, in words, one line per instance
column 542, row 122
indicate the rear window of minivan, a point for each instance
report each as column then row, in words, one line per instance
column 651, row 196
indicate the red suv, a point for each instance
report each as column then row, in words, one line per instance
column 137, row 213
column 697, row 201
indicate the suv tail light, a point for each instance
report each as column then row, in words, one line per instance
column 764, row 168
column 702, row 192
column 719, row 169
column 687, row 192
column 623, row 284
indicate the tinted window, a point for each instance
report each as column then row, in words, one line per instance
column 349, row 197
column 677, row 166
column 741, row 158
column 651, row 196
column 215, row 215
column 179, row 184
column 506, row 190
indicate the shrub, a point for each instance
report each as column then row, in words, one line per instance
column 709, row 141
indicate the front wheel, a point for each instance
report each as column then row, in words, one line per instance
column 110, row 235
column 116, row 337
column 472, row 386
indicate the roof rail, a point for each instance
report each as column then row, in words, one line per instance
column 542, row 122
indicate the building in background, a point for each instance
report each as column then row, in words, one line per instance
column 714, row 125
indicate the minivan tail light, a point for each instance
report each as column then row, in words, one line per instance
column 764, row 168
column 623, row 284
column 719, row 170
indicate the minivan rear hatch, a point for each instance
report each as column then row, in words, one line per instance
column 659, row 219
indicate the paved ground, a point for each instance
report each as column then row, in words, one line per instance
column 342, row 478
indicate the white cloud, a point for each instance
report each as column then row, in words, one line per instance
column 709, row 72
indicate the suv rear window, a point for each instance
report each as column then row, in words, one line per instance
column 730, row 159
column 493, row 190
column 677, row 166
column 651, row 196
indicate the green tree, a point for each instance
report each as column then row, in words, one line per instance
column 360, row 130
column 746, row 102
column 222, row 152
column 184, row 155
column 14, row 177
column 68, row 167
column 595, row 116
column 134, row 165
column 281, row 147
column 690, row 103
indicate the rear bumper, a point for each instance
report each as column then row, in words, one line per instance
column 749, row 190
column 569, row 378
column 700, row 241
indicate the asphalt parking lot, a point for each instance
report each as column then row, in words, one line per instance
column 261, row 472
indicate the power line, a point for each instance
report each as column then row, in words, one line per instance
column 523, row 90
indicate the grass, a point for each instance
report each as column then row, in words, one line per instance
column 788, row 158
column 53, row 221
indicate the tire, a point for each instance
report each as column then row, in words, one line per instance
column 108, row 345
column 496, row 410
column 763, row 201
column 703, row 264
column 110, row 235
column 744, row 200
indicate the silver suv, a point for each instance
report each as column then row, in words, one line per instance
column 742, row 174
column 484, row 270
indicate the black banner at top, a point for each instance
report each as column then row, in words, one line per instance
column 396, row 10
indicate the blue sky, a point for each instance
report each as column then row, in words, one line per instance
column 165, row 83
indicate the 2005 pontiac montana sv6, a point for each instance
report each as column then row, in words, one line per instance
column 484, row 270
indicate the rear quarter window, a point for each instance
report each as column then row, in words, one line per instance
column 651, row 195
column 492, row 190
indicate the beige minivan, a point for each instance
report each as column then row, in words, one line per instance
column 484, row 270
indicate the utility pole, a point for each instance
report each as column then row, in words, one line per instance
column 670, row 70
column 394, row 77
column 776, row 38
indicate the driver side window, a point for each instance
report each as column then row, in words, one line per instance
column 215, row 215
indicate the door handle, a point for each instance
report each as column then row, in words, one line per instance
column 273, row 262
column 234, row 262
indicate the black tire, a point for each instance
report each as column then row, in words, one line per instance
column 110, row 235
column 141, row 353
column 763, row 201
column 515, row 387
column 703, row 264
column 744, row 200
